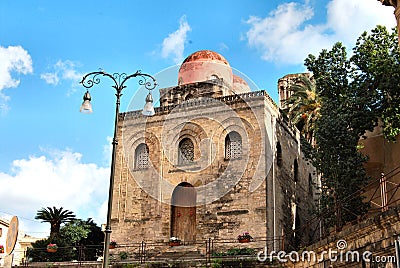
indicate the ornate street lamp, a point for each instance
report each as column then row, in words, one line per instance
column 88, row 81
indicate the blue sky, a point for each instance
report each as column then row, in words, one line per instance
column 52, row 155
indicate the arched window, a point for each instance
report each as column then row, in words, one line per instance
column 295, row 171
column 213, row 77
column 186, row 151
column 278, row 154
column 233, row 145
column 142, row 156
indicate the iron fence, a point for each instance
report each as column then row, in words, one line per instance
column 155, row 252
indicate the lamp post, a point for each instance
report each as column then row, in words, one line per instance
column 88, row 81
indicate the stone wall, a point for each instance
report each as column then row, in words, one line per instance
column 376, row 235
column 250, row 194
column 383, row 160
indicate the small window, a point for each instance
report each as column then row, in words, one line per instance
column 142, row 156
column 213, row 77
column 295, row 171
column 233, row 145
column 186, row 151
column 278, row 154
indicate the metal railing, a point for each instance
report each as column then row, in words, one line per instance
column 160, row 252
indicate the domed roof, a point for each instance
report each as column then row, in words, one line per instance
column 240, row 85
column 205, row 65
column 206, row 55
column 239, row 80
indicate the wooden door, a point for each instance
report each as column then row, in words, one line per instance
column 183, row 213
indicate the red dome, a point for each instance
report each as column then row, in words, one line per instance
column 239, row 80
column 204, row 65
column 240, row 85
column 205, row 55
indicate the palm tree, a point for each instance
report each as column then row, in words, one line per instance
column 55, row 217
column 303, row 106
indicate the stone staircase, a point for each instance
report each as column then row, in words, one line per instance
column 180, row 253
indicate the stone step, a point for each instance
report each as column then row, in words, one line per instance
column 181, row 252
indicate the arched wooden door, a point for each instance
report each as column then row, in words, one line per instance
column 183, row 212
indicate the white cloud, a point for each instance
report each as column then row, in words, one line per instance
column 348, row 19
column 287, row 36
column 59, row 179
column 174, row 45
column 107, row 150
column 223, row 47
column 50, row 78
column 63, row 70
column 13, row 59
column 3, row 104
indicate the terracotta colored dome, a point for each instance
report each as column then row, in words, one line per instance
column 238, row 80
column 206, row 55
column 205, row 65
column 240, row 85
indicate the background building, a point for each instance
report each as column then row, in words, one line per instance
column 23, row 242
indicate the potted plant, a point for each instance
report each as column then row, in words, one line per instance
column 113, row 244
column 174, row 241
column 52, row 247
column 1, row 249
column 245, row 237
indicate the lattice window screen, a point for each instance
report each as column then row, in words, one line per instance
column 233, row 145
column 186, row 151
column 142, row 157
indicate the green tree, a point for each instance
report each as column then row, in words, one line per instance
column 38, row 251
column 354, row 93
column 95, row 236
column 93, row 242
column 54, row 216
column 74, row 231
column 76, row 240
column 303, row 106
column 86, row 235
column 337, row 132
column 377, row 70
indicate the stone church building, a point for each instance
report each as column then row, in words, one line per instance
column 216, row 160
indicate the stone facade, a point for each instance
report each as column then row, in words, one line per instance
column 284, row 86
column 23, row 243
column 383, row 169
column 217, row 164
